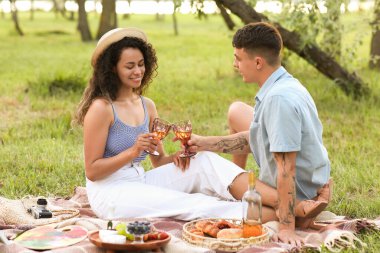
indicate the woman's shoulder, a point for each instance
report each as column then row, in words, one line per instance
column 149, row 103
column 100, row 106
column 151, row 107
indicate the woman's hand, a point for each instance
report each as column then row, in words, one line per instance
column 145, row 142
column 182, row 163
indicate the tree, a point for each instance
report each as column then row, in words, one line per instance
column 83, row 26
column 332, row 37
column 59, row 7
column 375, row 42
column 126, row 15
column 348, row 82
column 226, row 17
column 158, row 16
column 15, row 17
column 2, row 13
column 176, row 5
column 31, row 9
column 108, row 18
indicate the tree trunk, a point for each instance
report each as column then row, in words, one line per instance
column 15, row 17
column 31, row 9
column 159, row 17
column 83, row 26
column 127, row 15
column 2, row 13
column 176, row 5
column 349, row 83
column 226, row 17
column 58, row 8
column 375, row 42
column 332, row 38
column 108, row 18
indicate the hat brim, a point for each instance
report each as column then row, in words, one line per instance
column 113, row 36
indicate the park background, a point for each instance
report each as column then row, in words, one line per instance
column 44, row 71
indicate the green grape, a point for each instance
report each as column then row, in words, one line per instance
column 129, row 237
column 120, row 228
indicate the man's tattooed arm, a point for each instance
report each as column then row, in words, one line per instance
column 232, row 144
column 286, row 172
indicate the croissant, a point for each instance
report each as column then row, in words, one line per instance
column 211, row 229
column 197, row 232
column 222, row 224
column 201, row 224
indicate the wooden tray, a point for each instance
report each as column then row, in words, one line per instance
column 127, row 246
column 229, row 245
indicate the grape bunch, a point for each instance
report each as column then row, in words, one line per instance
column 139, row 227
column 121, row 230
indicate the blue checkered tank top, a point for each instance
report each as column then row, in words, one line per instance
column 121, row 136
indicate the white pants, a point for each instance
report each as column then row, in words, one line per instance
column 199, row 192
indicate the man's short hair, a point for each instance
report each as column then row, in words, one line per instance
column 260, row 38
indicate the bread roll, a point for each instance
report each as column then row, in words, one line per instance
column 230, row 233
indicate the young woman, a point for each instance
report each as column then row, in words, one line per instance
column 116, row 119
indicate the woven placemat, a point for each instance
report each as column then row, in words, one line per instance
column 15, row 212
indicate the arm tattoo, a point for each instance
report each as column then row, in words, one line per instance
column 288, row 217
column 228, row 146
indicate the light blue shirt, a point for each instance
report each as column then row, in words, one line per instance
column 286, row 120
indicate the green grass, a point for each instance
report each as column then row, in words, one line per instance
column 41, row 154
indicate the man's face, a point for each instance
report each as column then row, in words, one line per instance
column 246, row 65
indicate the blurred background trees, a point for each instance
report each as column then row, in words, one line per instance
column 375, row 42
column 311, row 29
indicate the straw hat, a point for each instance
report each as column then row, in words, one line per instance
column 114, row 36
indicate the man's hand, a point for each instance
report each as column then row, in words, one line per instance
column 195, row 143
column 289, row 236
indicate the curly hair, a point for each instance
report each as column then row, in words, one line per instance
column 260, row 38
column 105, row 83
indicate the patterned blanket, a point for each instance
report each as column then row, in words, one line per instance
column 337, row 234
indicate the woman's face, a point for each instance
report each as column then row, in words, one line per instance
column 130, row 67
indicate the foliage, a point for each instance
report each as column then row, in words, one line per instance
column 42, row 154
column 302, row 16
column 198, row 5
column 332, row 35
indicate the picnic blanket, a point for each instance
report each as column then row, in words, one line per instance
column 339, row 232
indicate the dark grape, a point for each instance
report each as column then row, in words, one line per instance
column 137, row 227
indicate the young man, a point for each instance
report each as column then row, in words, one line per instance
column 285, row 135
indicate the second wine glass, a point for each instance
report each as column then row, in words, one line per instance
column 182, row 131
column 161, row 128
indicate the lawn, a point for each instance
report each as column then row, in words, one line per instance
column 43, row 74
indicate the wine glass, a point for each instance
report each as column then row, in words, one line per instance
column 182, row 131
column 161, row 128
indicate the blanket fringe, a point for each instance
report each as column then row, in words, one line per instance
column 338, row 240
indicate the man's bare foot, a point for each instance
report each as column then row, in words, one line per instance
column 309, row 208
column 325, row 192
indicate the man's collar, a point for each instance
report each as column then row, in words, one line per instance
column 269, row 83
